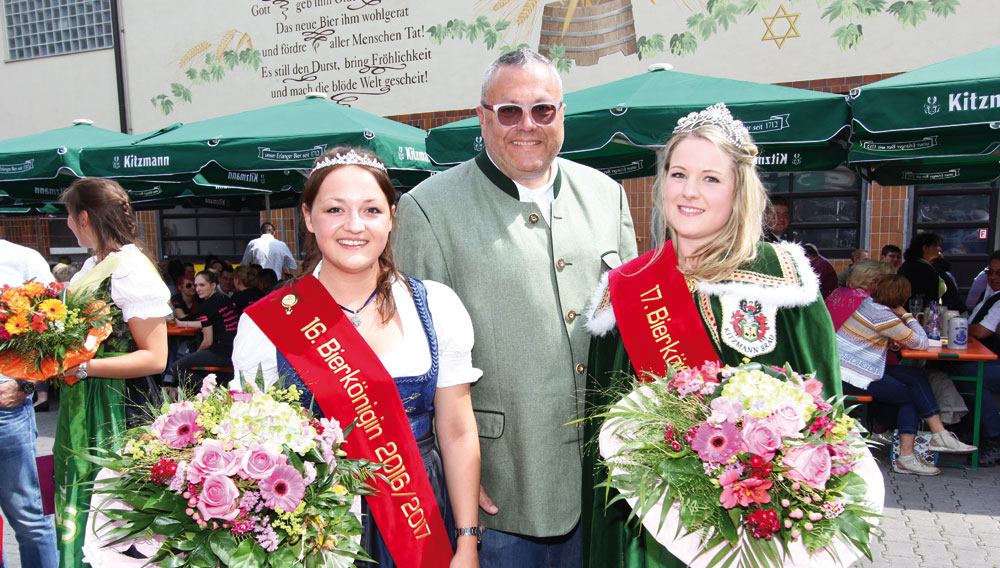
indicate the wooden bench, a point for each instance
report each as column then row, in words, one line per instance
column 861, row 400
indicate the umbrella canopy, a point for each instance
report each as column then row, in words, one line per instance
column 617, row 126
column 263, row 148
column 39, row 166
column 49, row 154
column 939, row 123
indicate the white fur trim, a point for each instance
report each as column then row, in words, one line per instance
column 599, row 323
column 782, row 296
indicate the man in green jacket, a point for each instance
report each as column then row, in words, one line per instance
column 522, row 237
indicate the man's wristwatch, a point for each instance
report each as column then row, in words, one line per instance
column 81, row 371
column 27, row 387
column 470, row 531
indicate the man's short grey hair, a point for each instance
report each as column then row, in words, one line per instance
column 517, row 58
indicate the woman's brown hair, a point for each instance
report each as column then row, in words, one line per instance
column 108, row 210
column 387, row 267
column 892, row 290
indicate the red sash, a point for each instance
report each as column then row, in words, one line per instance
column 656, row 315
column 351, row 385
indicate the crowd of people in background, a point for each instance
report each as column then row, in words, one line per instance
column 872, row 327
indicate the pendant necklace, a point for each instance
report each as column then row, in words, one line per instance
column 355, row 314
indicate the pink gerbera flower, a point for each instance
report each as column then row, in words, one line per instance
column 180, row 428
column 717, row 444
column 283, row 489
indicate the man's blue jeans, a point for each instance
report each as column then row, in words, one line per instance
column 991, row 384
column 507, row 550
column 20, row 497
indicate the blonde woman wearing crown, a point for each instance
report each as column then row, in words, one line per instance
column 408, row 345
column 729, row 295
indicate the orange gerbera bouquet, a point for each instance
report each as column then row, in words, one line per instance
column 44, row 331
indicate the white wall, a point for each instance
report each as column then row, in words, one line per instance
column 50, row 92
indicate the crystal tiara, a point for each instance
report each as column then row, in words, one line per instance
column 719, row 116
column 351, row 158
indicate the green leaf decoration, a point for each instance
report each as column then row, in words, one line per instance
column 849, row 36
column 944, row 8
column 166, row 106
column 911, row 12
column 703, row 24
column 230, row 58
column 724, row 12
column 191, row 73
column 683, row 43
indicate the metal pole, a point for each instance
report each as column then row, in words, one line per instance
column 267, row 207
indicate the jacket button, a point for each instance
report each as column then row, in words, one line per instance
column 571, row 315
column 580, row 368
column 560, row 264
column 533, row 218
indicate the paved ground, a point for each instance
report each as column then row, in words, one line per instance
column 949, row 520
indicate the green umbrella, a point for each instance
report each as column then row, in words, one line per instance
column 263, row 148
column 53, row 153
column 937, row 123
column 617, row 126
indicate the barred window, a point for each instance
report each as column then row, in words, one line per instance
column 965, row 217
column 40, row 28
column 192, row 234
column 826, row 208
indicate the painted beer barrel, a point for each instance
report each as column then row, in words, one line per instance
column 593, row 32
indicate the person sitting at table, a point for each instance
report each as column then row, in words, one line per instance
column 843, row 301
column 984, row 325
column 917, row 268
column 185, row 301
column 217, row 319
column 268, row 280
column 863, row 340
column 245, row 280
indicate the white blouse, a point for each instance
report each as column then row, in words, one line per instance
column 412, row 358
column 136, row 286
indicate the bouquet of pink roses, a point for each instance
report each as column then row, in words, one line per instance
column 743, row 466
column 233, row 478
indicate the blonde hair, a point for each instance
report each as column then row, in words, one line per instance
column 867, row 273
column 737, row 244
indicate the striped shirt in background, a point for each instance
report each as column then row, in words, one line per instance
column 864, row 339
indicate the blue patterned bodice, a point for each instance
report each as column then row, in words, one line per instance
column 417, row 392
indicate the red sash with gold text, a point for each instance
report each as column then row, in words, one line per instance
column 656, row 315
column 351, row 385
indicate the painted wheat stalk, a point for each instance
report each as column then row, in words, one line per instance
column 193, row 52
column 224, row 43
column 526, row 11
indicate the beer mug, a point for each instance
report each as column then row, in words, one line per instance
column 958, row 333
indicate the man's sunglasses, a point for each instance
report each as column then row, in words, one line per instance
column 511, row 114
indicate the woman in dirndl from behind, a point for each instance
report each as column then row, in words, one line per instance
column 729, row 295
column 109, row 393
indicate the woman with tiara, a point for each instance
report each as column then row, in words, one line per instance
column 110, row 391
column 730, row 297
column 395, row 359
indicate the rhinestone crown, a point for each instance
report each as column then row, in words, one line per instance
column 719, row 116
column 351, row 158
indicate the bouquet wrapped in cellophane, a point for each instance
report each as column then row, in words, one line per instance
column 230, row 478
column 744, row 466
column 44, row 330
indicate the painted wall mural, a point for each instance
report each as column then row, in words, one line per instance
column 193, row 60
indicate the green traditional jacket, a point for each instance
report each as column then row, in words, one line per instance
column 778, row 285
column 525, row 285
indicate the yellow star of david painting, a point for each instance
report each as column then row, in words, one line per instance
column 769, row 23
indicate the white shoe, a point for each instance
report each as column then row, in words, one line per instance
column 947, row 442
column 917, row 467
